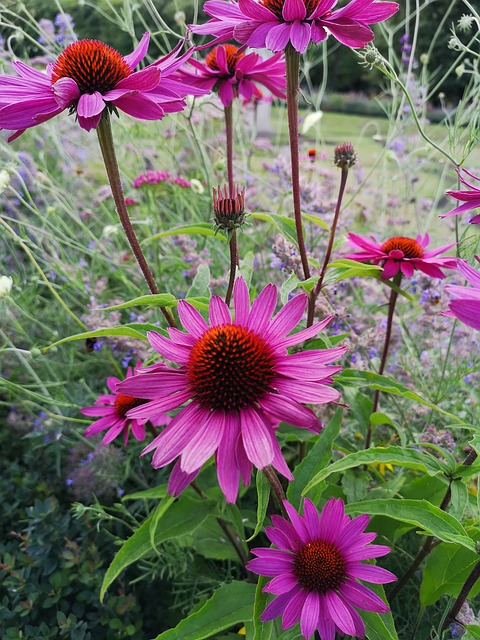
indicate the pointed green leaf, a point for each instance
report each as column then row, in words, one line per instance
column 410, row 458
column 262, row 630
column 387, row 385
column 317, row 459
column 229, row 605
column 123, row 330
column 198, row 229
column 418, row 513
column 263, row 495
column 181, row 518
column 285, row 225
column 153, row 300
column 379, row 626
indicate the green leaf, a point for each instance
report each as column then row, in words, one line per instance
column 246, row 267
column 181, row 518
column 346, row 268
column 261, row 630
column 202, row 303
column 287, row 287
column 355, row 484
column 157, row 515
column 123, row 330
column 209, row 540
column 155, row 493
column 399, row 456
column 387, row 385
column 445, row 572
column 229, row 605
column 316, row 220
column 459, row 499
column 263, row 495
column 153, row 300
column 285, row 225
column 419, row 513
column 473, row 632
column 201, row 282
column 316, row 460
column 379, row 626
column 198, row 229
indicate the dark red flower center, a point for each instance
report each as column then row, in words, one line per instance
column 230, row 367
column 124, row 403
column 232, row 57
column 276, row 6
column 319, row 566
column 93, row 65
column 409, row 247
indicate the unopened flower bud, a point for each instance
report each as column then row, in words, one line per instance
column 344, row 157
column 5, row 285
column 229, row 208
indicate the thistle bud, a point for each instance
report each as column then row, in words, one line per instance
column 344, row 157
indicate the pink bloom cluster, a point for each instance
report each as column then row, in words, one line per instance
column 466, row 300
column 316, row 569
column 150, row 177
column 470, row 199
column 401, row 254
column 229, row 71
column 88, row 77
column 276, row 23
column 234, row 384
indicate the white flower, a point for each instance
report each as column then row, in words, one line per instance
column 197, row 186
column 110, row 230
column 5, row 285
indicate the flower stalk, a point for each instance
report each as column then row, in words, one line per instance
column 292, row 63
column 105, row 139
column 233, row 244
column 391, row 310
column 271, row 476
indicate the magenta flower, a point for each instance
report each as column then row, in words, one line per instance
column 88, row 77
column 113, row 409
column 275, row 23
column 239, row 383
column 315, row 570
column 471, row 199
column 401, row 254
column 466, row 303
column 230, row 72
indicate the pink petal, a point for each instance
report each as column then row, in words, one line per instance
column 288, row 410
column 300, row 36
column 370, row 573
column 310, row 613
column 219, row 312
column 339, row 613
column 277, row 606
column 390, row 269
column 191, row 319
column 286, row 319
column 306, row 391
column 262, row 308
column 143, row 80
column 227, row 470
column 278, row 37
column 225, row 93
column 66, row 91
column 203, row 443
column 168, row 349
column 407, row 268
column 90, row 105
column 281, row 584
column 293, row 609
column 139, row 106
column 305, row 334
column 179, row 480
column 102, row 424
column 254, row 10
column 139, row 53
column 361, row 597
column 258, row 438
column 294, row 10
column 241, row 302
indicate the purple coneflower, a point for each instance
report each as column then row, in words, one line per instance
column 88, row 77
column 466, row 301
column 401, row 254
column 315, row 570
column 470, row 199
column 239, row 383
column 275, row 23
column 112, row 411
column 230, row 72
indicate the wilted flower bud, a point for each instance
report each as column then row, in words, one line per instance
column 344, row 156
column 229, row 208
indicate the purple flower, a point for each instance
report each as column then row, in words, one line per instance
column 230, row 72
column 402, row 254
column 471, row 199
column 275, row 23
column 88, row 77
column 466, row 300
column 315, row 570
column 113, row 409
column 239, row 383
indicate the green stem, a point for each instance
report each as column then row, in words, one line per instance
column 341, row 191
column 105, row 138
column 233, row 265
column 391, row 309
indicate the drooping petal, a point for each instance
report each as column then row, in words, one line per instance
column 139, row 53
